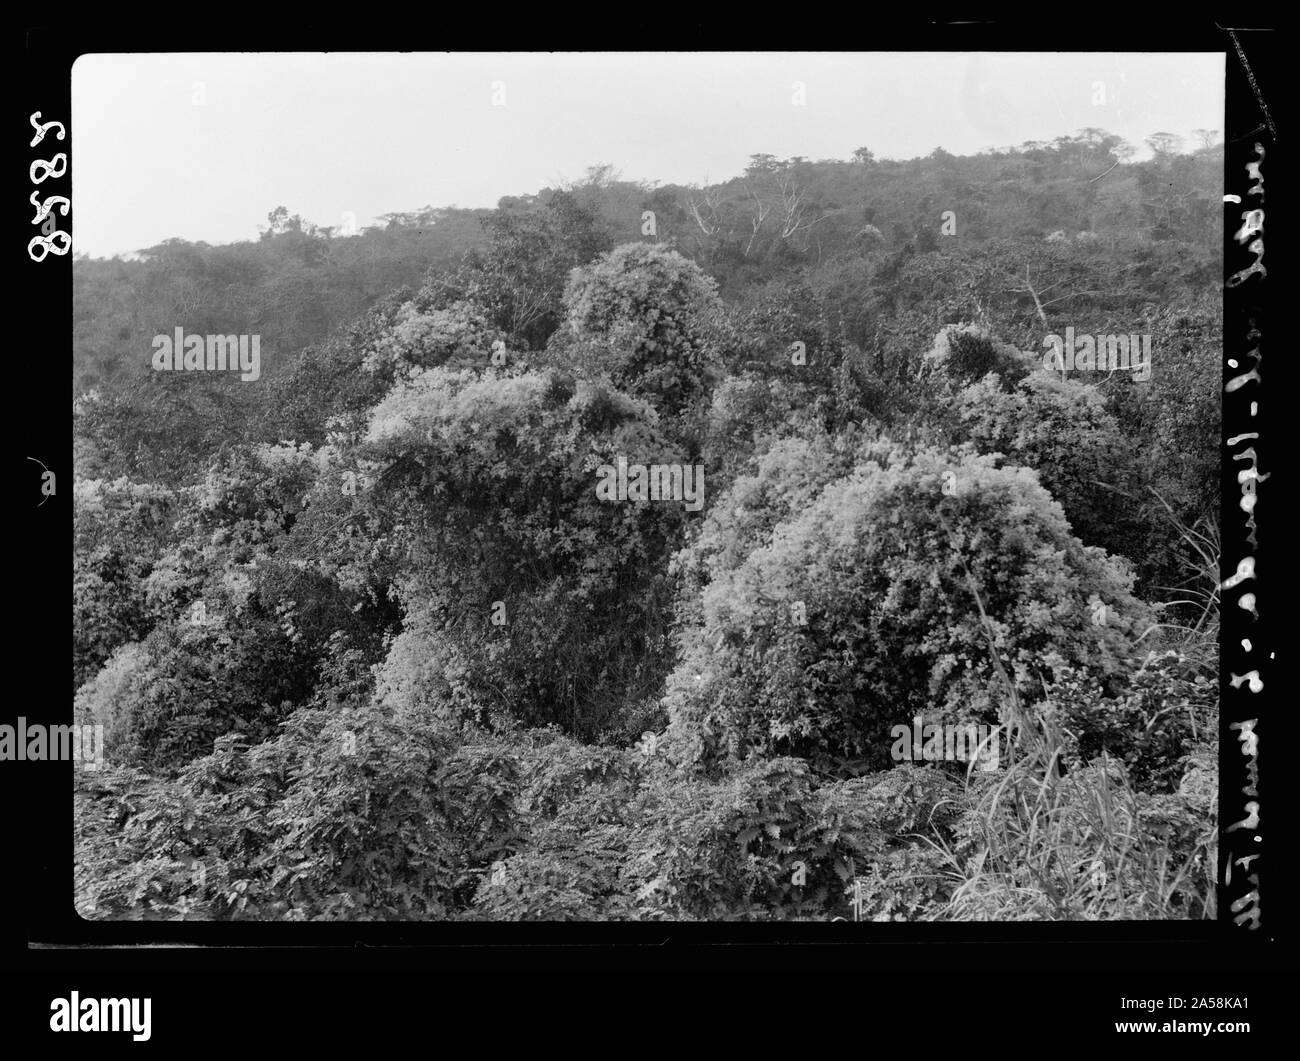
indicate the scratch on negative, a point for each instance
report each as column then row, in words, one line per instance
column 1254, row 85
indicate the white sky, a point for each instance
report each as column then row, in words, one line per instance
column 376, row 133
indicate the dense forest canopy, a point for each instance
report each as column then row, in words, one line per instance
column 299, row 283
column 367, row 643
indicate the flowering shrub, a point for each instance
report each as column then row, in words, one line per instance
column 119, row 532
column 859, row 609
column 458, row 336
column 644, row 314
column 1062, row 430
column 964, row 353
column 516, row 574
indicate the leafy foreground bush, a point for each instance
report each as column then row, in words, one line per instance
column 345, row 814
column 369, row 814
column 372, row 814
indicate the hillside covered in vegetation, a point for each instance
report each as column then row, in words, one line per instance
column 368, row 642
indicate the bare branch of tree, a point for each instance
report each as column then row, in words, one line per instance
column 1100, row 175
column 705, row 211
column 761, row 211
column 1029, row 287
column 794, row 206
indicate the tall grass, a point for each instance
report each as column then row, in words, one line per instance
column 1039, row 844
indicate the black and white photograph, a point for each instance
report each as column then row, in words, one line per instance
column 684, row 498
column 514, row 500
